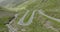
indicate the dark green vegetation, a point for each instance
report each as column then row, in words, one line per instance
column 5, row 15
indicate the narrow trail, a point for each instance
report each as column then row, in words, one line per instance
column 16, row 15
column 28, row 22
column 41, row 12
column 10, row 27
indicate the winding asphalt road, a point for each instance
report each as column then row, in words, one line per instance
column 42, row 13
column 29, row 21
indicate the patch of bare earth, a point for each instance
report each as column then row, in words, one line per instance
column 49, row 25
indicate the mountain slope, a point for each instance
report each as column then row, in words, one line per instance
column 36, row 16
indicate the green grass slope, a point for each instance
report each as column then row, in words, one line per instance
column 5, row 15
column 40, row 22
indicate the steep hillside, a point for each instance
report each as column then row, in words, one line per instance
column 35, row 16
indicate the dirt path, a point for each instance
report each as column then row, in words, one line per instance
column 49, row 25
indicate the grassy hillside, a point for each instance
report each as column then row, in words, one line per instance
column 44, row 16
column 40, row 23
column 5, row 15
